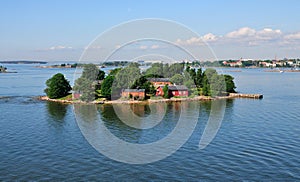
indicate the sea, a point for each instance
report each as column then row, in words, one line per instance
column 251, row 140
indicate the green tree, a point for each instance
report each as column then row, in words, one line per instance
column 156, row 69
column 90, row 72
column 230, row 85
column 209, row 72
column 217, row 85
column 199, row 78
column 101, row 75
column 114, row 72
column 177, row 79
column 193, row 74
column 106, row 86
column 57, row 86
column 166, row 92
column 205, row 86
column 86, row 88
column 126, row 77
column 176, row 68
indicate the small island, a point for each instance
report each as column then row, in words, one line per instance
column 4, row 70
column 159, row 83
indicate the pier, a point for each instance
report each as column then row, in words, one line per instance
column 251, row 96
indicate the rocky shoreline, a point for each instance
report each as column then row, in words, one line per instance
column 198, row 98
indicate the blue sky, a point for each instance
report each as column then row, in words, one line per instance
column 60, row 30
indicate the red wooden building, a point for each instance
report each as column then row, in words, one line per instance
column 174, row 90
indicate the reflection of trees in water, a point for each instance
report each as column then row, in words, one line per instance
column 206, row 105
column 87, row 112
column 140, row 109
column 170, row 114
column 57, row 111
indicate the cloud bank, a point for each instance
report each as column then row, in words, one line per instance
column 245, row 36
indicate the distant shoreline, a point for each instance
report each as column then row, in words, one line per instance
column 23, row 62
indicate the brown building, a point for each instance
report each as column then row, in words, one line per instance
column 138, row 94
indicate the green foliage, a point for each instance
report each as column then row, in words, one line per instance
column 177, row 79
column 106, row 86
column 86, row 88
column 217, row 85
column 101, row 75
column 206, row 86
column 176, row 68
column 209, row 72
column 199, row 78
column 57, row 86
column 193, row 74
column 114, row 72
column 214, row 84
column 155, row 69
column 87, row 85
column 230, row 86
column 166, row 92
column 90, row 72
column 134, row 64
column 126, row 77
column 153, row 76
column 143, row 83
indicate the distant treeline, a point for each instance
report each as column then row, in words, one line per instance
column 23, row 62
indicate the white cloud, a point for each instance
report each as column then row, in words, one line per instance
column 154, row 46
column 210, row 37
column 60, row 47
column 198, row 40
column 268, row 34
column 242, row 32
column 191, row 41
column 94, row 47
column 293, row 36
column 56, row 48
column 143, row 47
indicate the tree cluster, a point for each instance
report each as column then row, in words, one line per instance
column 88, row 84
column 210, row 83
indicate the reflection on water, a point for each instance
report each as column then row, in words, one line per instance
column 139, row 146
column 214, row 122
column 140, row 110
column 129, row 126
column 57, row 110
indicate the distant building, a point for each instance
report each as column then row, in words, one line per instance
column 179, row 91
column 159, row 81
column 138, row 94
column 233, row 64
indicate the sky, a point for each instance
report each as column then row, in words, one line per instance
column 59, row 30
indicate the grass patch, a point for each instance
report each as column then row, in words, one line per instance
column 68, row 97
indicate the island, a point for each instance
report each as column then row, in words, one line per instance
column 3, row 69
column 159, row 83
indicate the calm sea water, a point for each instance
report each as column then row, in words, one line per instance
column 259, row 140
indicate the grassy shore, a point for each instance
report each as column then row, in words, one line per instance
column 68, row 99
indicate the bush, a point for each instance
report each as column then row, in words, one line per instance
column 57, row 86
